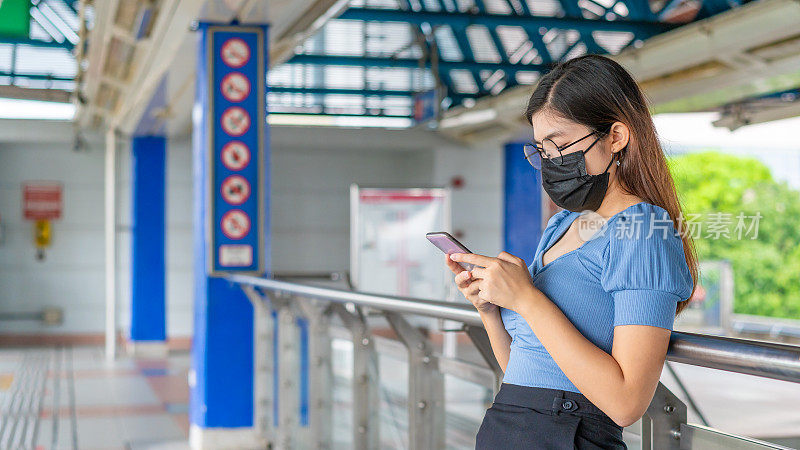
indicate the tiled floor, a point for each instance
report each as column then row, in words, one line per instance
column 68, row 398
column 71, row 398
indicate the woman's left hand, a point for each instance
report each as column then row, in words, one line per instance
column 504, row 280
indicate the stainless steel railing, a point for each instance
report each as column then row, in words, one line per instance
column 664, row 425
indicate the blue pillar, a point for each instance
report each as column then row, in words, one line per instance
column 148, row 309
column 231, row 195
column 522, row 199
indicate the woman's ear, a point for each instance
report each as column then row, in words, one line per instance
column 620, row 136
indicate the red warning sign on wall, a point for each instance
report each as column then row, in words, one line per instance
column 42, row 200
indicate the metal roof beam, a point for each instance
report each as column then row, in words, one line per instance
column 462, row 20
column 343, row 91
column 411, row 63
column 36, row 42
column 333, row 114
column 34, row 76
column 45, row 95
column 339, row 91
column 534, row 37
column 572, row 9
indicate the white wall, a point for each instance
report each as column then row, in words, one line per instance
column 311, row 173
column 71, row 275
column 478, row 205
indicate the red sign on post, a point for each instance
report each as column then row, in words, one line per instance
column 41, row 200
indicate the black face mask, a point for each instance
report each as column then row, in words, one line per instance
column 570, row 186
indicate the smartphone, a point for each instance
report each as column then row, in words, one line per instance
column 448, row 244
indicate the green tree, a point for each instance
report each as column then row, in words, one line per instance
column 767, row 268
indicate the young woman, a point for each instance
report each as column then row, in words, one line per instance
column 582, row 333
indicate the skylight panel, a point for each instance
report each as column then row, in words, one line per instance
column 612, row 41
column 447, row 44
column 483, row 48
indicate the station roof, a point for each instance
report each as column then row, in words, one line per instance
column 376, row 55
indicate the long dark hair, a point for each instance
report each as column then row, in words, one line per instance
column 596, row 91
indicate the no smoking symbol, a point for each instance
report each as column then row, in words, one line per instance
column 235, row 190
column 235, row 87
column 235, row 224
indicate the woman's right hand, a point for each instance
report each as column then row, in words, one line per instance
column 469, row 287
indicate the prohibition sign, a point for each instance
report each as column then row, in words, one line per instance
column 235, row 121
column 235, row 87
column 235, row 53
column 235, row 155
column 235, row 224
column 235, row 190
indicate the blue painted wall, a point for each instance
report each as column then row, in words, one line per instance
column 148, row 310
column 522, row 201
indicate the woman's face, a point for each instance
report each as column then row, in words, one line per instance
column 564, row 132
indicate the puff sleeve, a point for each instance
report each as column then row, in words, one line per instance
column 645, row 269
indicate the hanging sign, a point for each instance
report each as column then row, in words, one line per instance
column 425, row 106
column 236, row 124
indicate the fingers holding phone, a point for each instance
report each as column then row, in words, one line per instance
column 454, row 266
column 466, row 283
column 469, row 287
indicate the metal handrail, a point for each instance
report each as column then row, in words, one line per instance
column 759, row 358
column 430, row 308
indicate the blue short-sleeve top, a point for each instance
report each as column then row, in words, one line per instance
column 631, row 272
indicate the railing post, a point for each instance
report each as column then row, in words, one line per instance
column 366, row 382
column 285, row 368
column 661, row 423
column 262, row 358
column 320, row 377
column 726, row 294
column 425, row 388
column 480, row 340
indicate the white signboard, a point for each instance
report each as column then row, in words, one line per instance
column 389, row 253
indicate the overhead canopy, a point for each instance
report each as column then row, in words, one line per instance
column 352, row 58
column 376, row 54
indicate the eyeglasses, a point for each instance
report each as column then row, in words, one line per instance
column 549, row 150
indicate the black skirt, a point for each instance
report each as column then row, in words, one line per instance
column 541, row 418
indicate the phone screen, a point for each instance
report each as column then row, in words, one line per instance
column 448, row 244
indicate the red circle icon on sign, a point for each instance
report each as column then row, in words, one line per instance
column 235, row 155
column 235, row 121
column 235, row 224
column 235, row 190
column 235, row 53
column 235, row 87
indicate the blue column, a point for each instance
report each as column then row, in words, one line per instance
column 522, row 199
column 231, row 219
column 148, row 310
